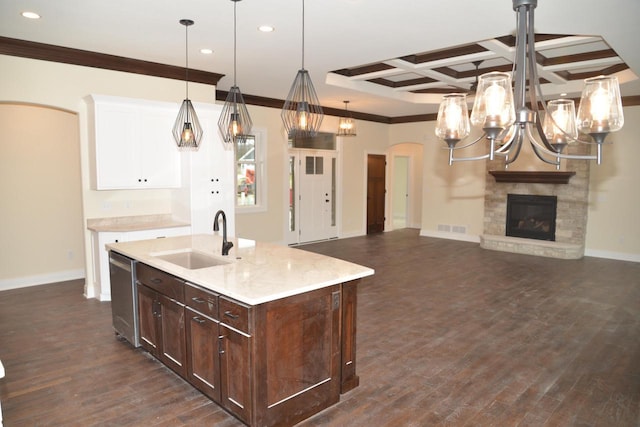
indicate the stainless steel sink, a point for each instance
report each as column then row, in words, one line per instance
column 191, row 259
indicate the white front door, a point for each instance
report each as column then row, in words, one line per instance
column 312, row 204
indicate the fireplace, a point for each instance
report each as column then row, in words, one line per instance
column 531, row 217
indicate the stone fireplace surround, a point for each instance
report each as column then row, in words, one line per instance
column 572, row 209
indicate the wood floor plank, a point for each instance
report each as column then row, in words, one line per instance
column 449, row 334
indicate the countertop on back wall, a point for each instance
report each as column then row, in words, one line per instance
column 133, row 223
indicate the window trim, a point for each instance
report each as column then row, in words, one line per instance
column 260, row 155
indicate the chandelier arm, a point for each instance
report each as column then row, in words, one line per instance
column 480, row 138
column 539, row 154
column 464, row 159
column 505, row 143
column 512, row 155
column 544, row 150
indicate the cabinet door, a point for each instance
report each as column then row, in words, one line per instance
column 158, row 154
column 148, row 317
column 203, row 359
column 234, row 372
column 133, row 144
column 172, row 329
column 117, row 163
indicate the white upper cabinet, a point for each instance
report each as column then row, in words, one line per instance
column 132, row 144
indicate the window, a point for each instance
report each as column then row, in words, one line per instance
column 250, row 174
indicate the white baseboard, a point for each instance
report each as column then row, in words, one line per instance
column 451, row 236
column 42, row 279
column 620, row 256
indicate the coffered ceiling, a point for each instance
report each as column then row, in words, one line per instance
column 392, row 59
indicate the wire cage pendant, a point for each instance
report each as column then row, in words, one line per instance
column 302, row 113
column 234, row 122
column 187, row 131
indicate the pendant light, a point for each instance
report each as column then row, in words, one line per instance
column 346, row 126
column 187, row 130
column 235, row 122
column 302, row 114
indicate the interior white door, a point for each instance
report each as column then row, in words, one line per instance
column 400, row 196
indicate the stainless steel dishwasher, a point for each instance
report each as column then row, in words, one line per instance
column 124, row 298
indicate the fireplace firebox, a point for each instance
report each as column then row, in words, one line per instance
column 531, row 217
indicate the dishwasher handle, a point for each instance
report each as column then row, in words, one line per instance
column 125, row 265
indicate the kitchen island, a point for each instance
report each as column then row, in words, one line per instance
column 268, row 331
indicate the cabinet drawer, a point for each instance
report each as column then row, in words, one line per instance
column 234, row 314
column 162, row 282
column 201, row 300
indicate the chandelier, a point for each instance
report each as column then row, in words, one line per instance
column 346, row 125
column 234, row 123
column 506, row 120
column 301, row 113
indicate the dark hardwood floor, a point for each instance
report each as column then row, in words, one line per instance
column 448, row 334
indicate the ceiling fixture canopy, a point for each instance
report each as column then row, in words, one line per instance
column 346, row 126
column 302, row 114
column 235, row 123
column 187, row 130
column 506, row 120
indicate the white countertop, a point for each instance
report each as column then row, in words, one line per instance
column 257, row 272
column 134, row 223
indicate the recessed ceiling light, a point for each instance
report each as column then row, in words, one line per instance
column 266, row 28
column 30, row 15
column 206, row 51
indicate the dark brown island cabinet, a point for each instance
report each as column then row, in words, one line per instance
column 274, row 363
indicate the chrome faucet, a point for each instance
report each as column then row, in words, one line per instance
column 225, row 245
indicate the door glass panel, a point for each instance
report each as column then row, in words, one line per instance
column 333, row 192
column 292, row 193
column 309, row 165
column 319, row 165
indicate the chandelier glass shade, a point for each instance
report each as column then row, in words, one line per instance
column 234, row 122
column 187, row 131
column 346, row 125
column 507, row 117
column 301, row 113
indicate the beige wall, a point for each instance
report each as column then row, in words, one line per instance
column 455, row 194
column 65, row 86
column 41, row 196
column 451, row 195
column 270, row 225
column 614, row 195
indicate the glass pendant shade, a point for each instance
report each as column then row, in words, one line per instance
column 302, row 114
column 453, row 119
column 187, row 131
column 346, row 125
column 600, row 108
column 493, row 106
column 559, row 125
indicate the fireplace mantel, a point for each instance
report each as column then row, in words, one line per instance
column 541, row 177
